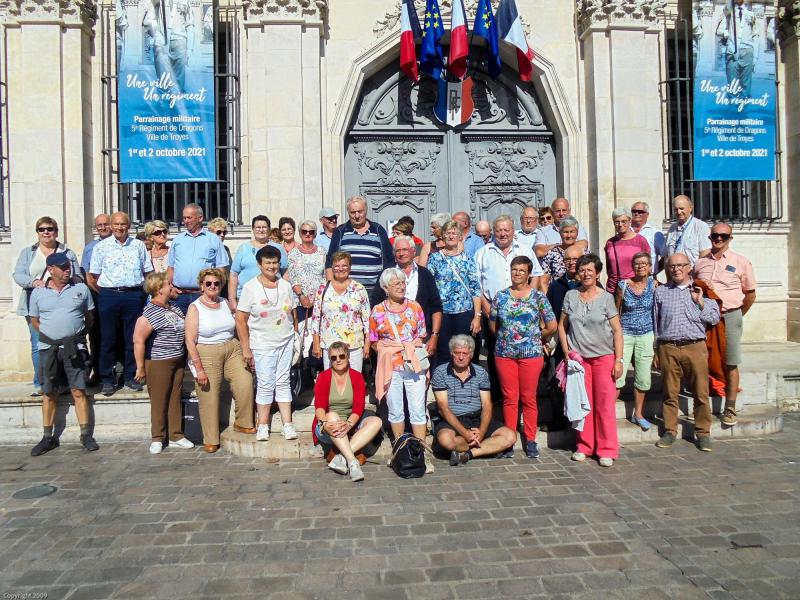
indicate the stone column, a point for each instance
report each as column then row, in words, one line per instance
column 789, row 12
column 48, row 62
column 283, row 141
column 621, row 62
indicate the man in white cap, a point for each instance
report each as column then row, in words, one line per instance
column 328, row 218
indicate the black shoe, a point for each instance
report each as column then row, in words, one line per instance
column 532, row 449
column 704, row 444
column 506, row 453
column 134, row 385
column 88, row 442
column 666, row 440
column 48, row 442
column 458, row 458
column 108, row 389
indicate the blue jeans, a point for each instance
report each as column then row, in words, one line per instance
column 184, row 300
column 115, row 308
column 35, row 354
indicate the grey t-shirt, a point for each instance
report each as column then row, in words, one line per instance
column 589, row 332
column 60, row 315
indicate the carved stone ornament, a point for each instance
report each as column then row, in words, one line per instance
column 486, row 202
column 391, row 20
column 402, row 163
column 604, row 13
column 80, row 12
column 288, row 10
column 504, row 162
column 789, row 19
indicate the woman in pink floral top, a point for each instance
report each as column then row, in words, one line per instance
column 393, row 373
column 341, row 314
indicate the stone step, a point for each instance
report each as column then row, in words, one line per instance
column 755, row 423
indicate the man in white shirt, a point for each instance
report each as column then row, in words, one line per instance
column 640, row 212
column 687, row 235
column 548, row 237
column 528, row 222
column 494, row 270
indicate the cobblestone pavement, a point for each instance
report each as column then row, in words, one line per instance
column 660, row 524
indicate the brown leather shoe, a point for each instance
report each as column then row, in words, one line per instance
column 250, row 430
column 210, row 448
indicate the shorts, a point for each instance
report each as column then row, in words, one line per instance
column 325, row 439
column 640, row 349
column 74, row 369
column 733, row 337
column 470, row 421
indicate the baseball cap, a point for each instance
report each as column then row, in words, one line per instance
column 327, row 213
column 58, row 259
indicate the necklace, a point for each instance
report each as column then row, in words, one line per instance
column 209, row 303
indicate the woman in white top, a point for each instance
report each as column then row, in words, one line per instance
column 156, row 234
column 306, row 270
column 266, row 321
column 215, row 355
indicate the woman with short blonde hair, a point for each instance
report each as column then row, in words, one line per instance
column 156, row 234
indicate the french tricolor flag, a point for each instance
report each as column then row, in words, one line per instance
column 410, row 30
column 509, row 27
column 459, row 45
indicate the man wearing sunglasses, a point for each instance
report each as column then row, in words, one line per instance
column 640, row 213
column 732, row 278
column 329, row 219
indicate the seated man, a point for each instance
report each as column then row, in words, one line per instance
column 463, row 397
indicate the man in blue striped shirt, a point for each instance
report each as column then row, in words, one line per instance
column 365, row 241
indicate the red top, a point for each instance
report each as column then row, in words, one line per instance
column 322, row 390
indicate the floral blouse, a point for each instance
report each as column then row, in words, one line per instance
column 410, row 323
column 553, row 263
column 341, row 317
column 307, row 270
column 457, row 294
column 519, row 333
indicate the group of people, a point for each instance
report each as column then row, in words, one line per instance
column 419, row 312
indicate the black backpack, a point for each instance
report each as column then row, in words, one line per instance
column 408, row 457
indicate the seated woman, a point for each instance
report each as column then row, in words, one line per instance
column 340, row 391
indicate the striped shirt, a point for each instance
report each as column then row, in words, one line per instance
column 167, row 339
column 463, row 397
column 677, row 318
column 371, row 252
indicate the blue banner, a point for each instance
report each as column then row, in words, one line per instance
column 734, row 94
column 165, row 63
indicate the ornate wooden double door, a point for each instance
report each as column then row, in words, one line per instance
column 404, row 162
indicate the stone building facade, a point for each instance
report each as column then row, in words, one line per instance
column 315, row 110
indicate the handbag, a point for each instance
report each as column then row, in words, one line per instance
column 420, row 353
column 408, row 457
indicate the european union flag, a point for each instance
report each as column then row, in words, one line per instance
column 431, row 58
column 486, row 28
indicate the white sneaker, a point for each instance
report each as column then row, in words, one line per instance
column 338, row 464
column 356, row 474
column 262, row 433
column 156, row 447
column 182, row 443
column 429, row 468
column 289, row 432
column 606, row 462
column 578, row 456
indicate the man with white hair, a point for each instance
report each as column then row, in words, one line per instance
column 494, row 269
column 529, row 223
column 549, row 237
column 483, row 229
column 687, row 235
column 365, row 241
column 640, row 213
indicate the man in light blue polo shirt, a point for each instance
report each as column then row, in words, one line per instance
column 192, row 251
column 116, row 273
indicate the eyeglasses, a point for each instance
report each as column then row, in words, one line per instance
column 570, row 260
column 160, row 232
column 638, row 211
column 678, row 266
column 331, row 218
column 546, row 218
column 335, row 357
column 209, row 284
column 261, row 228
column 221, row 232
column 307, row 232
column 720, row 236
column 530, row 218
column 46, row 229
column 641, row 264
column 102, row 225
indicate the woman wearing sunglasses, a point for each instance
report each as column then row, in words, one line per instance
column 340, row 419
column 156, row 234
column 306, row 270
column 31, row 273
column 215, row 355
